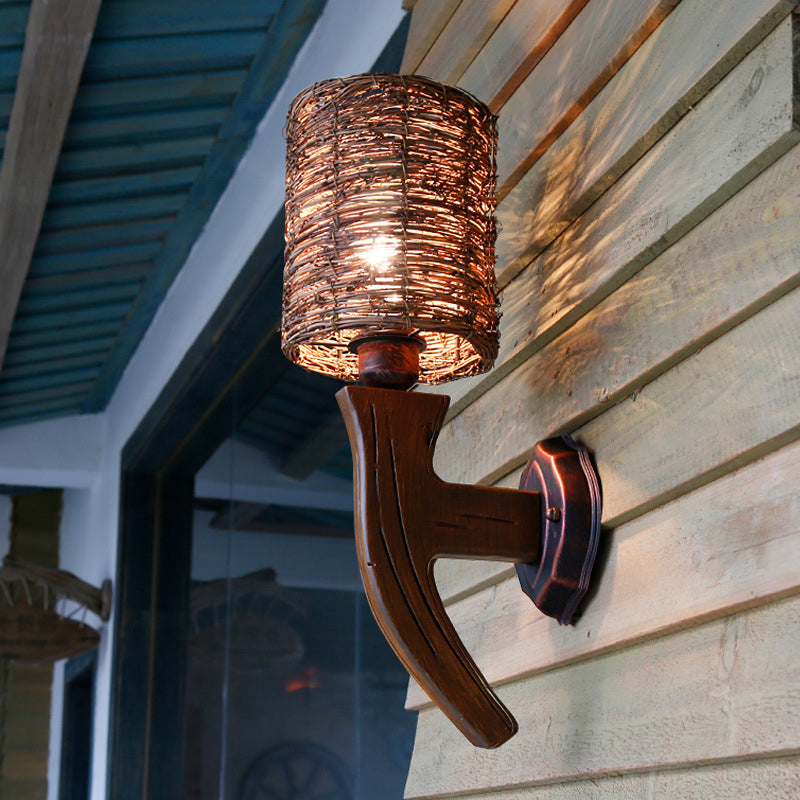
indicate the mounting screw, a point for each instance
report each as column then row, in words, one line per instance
column 553, row 514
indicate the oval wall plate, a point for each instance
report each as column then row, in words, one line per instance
column 562, row 472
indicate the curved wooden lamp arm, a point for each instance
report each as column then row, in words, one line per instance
column 406, row 517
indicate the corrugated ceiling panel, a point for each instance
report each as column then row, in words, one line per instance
column 169, row 99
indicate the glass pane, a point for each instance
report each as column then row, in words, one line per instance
column 291, row 691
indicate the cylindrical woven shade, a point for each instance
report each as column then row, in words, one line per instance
column 390, row 226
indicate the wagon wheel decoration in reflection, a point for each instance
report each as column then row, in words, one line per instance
column 259, row 612
column 296, row 771
column 43, row 612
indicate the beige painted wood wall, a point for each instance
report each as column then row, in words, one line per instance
column 649, row 260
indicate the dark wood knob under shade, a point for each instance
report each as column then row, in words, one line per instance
column 406, row 517
column 388, row 361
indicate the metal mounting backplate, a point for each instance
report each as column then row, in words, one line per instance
column 562, row 472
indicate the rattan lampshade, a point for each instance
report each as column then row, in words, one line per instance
column 390, row 199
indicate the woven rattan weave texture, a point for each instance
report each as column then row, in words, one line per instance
column 390, row 223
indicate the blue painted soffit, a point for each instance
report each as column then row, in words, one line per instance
column 169, row 100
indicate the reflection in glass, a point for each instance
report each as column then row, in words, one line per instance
column 291, row 691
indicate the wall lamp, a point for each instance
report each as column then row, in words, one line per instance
column 389, row 280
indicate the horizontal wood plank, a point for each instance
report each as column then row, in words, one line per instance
column 113, row 187
column 62, row 321
column 163, row 125
column 664, row 333
column 61, row 364
column 738, row 397
column 672, row 307
column 38, row 386
column 100, row 161
column 51, row 265
column 76, row 297
column 677, row 185
column 88, row 278
column 731, row 544
column 729, row 404
column 672, row 71
column 138, row 208
column 75, row 335
column 561, row 86
column 143, row 57
column 80, row 240
column 132, row 95
column 520, row 42
column 726, row 690
column 745, row 124
column 773, row 778
column 24, row 401
column 20, row 358
column 462, row 38
column 154, row 18
column 427, row 21
column 68, row 403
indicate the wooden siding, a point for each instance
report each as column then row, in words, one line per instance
column 649, row 259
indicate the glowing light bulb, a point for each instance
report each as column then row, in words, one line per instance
column 382, row 254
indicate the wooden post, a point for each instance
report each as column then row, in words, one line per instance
column 25, row 700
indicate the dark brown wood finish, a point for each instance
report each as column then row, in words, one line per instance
column 562, row 472
column 389, row 361
column 406, row 517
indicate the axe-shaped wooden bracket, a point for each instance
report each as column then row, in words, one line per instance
column 406, row 517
